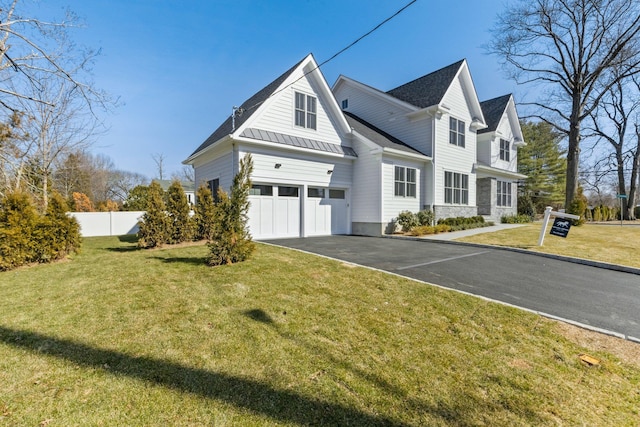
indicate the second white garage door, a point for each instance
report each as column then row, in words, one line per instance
column 275, row 211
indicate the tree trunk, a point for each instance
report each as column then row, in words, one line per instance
column 635, row 170
column 573, row 159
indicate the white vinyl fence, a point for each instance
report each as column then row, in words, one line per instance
column 107, row 223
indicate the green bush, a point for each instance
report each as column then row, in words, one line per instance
column 526, row 206
column 153, row 229
column 597, row 214
column 26, row 236
column 423, row 230
column 516, row 219
column 18, row 220
column 230, row 241
column 204, row 213
column 425, row 217
column 637, row 212
column 179, row 222
column 57, row 234
column 407, row 220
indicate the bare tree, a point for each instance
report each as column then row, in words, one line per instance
column 187, row 173
column 617, row 121
column 158, row 159
column 566, row 48
column 61, row 125
column 32, row 47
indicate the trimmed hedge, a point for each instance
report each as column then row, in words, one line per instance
column 516, row 219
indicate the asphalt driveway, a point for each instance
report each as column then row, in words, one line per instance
column 592, row 296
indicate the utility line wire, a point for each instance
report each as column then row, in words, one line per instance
column 240, row 111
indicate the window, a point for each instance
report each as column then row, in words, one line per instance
column 336, row 194
column 315, row 192
column 345, row 104
column 305, row 111
column 456, row 188
column 404, row 182
column 504, row 194
column 505, row 154
column 456, row 132
column 261, row 190
column 213, row 185
column 287, row 191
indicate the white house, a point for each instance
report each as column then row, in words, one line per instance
column 347, row 160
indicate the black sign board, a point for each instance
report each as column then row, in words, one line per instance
column 560, row 227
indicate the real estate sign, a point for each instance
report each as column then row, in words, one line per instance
column 560, row 227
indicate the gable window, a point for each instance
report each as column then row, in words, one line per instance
column 456, row 188
column 345, row 104
column 505, row 153
column 456, row 132
column 404, row 182
column 305, row 111
column 504, row 194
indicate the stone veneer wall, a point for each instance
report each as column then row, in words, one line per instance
column 486, row 195
column 446, row 211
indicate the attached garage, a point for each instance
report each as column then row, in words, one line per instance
column 279, row 211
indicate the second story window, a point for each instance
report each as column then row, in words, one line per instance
column 456, row 132
column 305, row 115
column 505, row 153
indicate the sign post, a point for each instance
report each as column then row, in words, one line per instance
column 621, row 197
column 560, row 229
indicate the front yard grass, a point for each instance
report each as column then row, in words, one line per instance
column 607, row 243
column 120, row 336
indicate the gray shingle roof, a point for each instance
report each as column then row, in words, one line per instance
column 296, row 141
column 427, row 90
column 376, row 135
column 492, row 110
column 248, row 107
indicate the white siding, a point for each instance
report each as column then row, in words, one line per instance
column 393, row 205
column 504, row 131
column 220, row 167
column 387, row 116
column 278, row 114
column 451, row 157
column 367, row 187
column 298, row 169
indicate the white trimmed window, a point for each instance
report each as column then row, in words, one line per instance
column 456, row 188
column 504, row 194
column 505, row 152
column 404, row 182
column 305, row 111
column 456, row 132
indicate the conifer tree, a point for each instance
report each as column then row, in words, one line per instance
column 231, row 241
column 179, row 222
column 544, row 163
column 154, row 224
column 204, row 213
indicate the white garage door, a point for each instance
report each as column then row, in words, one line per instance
column 274, row 211
column 325, row 211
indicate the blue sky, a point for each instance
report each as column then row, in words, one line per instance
column 179, row 66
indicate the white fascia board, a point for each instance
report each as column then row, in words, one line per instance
column 375, row 92
column 191, row 159
column 395, row 152
column 476, row 109
column 285, row 147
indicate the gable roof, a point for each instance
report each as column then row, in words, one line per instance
column 247, row 108
column 427, row 90
column 376, row 135
column 493, row 109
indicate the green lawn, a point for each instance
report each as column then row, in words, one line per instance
column 126, row 337
column 607, row 243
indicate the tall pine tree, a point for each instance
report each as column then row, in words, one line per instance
column 154, row 224
column 204, row 213
column 543, row 161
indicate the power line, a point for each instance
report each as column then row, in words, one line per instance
column 341, row 51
